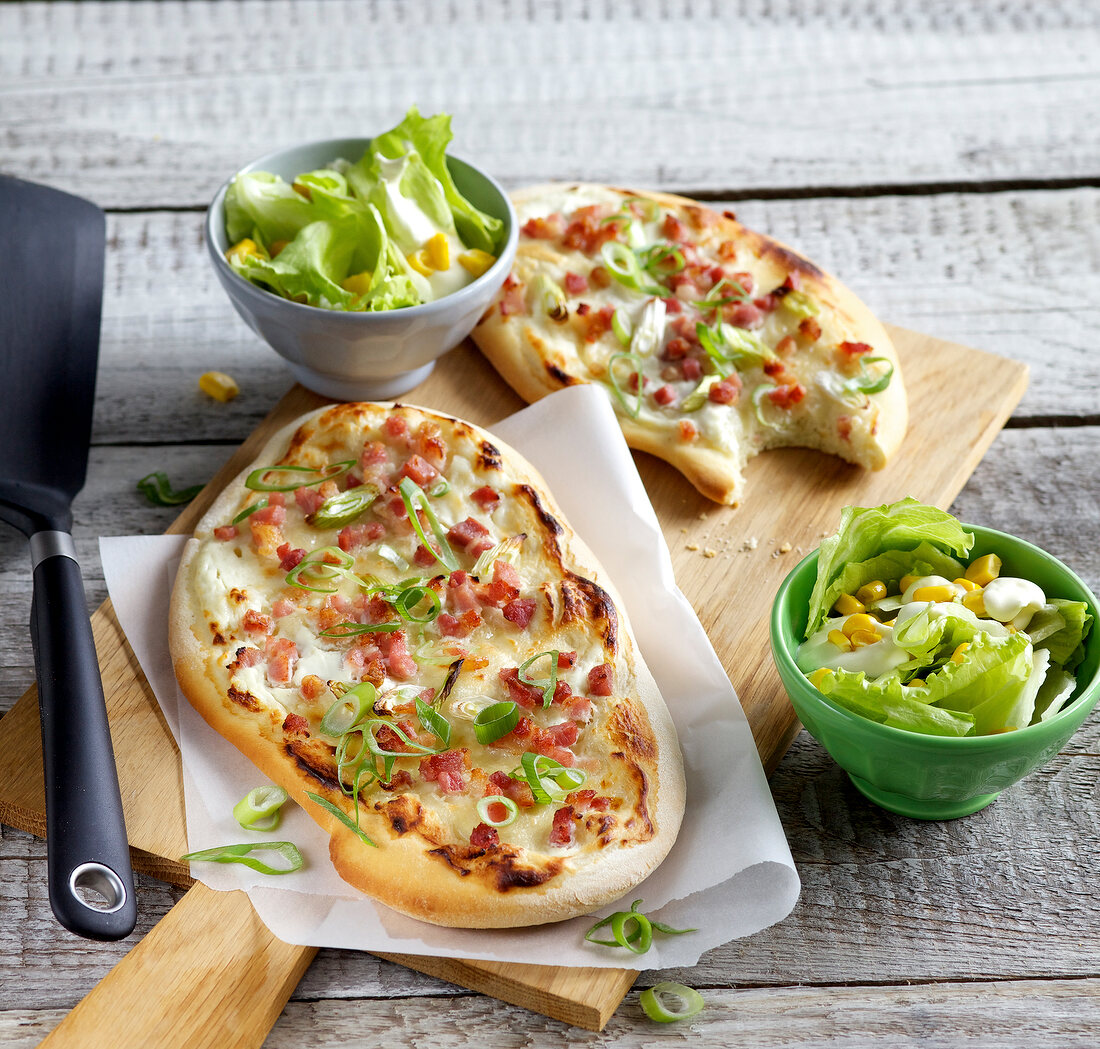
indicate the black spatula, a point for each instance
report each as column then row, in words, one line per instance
column 51, row 291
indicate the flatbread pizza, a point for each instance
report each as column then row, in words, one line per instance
column 712, row 341
column 390, row 616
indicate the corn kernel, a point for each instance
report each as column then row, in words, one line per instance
column 242, row 249
column 907, row 581
column 915, row 682
column 860, row 621
column 841, row 642
column 859, row 638
column 476, row 261
column 984, row 570
column 277, row 246
column 846, row 605
column 357, row 283
column 973, row 601
column 871, row 592
column 438, row 252
column 957, row 655
column 302, row 190
column 818, row 676
column 419, row 262
column 965, row 583
column 218, row 385
column 933, row 593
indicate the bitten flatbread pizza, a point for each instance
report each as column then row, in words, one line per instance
column 389, row 615
column 713, row 341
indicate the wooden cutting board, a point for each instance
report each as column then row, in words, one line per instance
column 216, row 975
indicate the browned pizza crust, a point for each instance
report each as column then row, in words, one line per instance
column 538, row 356
column 421, row 866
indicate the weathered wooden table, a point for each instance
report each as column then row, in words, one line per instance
column 942, row 158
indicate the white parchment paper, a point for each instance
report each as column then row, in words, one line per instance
column 730, row 872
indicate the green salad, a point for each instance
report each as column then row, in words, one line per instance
column 385, row 231
column 906, row 630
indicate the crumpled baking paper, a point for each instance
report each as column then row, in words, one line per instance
column 730, row 872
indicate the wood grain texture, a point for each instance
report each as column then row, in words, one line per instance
column 962, row 93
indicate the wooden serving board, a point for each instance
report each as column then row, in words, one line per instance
column 229, row 977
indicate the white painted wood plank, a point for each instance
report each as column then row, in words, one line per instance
column 1008, row 1015
column 142, row 105
column 1014, row 273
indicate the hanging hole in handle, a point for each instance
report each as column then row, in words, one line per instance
column 98, row 888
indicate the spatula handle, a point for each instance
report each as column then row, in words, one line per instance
column 88, row 857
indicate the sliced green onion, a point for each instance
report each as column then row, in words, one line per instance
column 434, row 722
column 866, row 383
column 631, row 409
column 723, row 293
column 391, row 556
column 631, row 929
column 662, row 260
column 259, row 808
column 551, row 298
column 758, row 396
column 440, row 488
column 506, row 550
column 344, row 507
column 495, row 721
column 240, row 854
column 324, row 564
column 800, row 304
column 349, row 709
column 248, row 511
column 545, row 777
column 484, row 805
column 624, row 265
column 255, row 479
column 700, row 395
column 688, row 1002
column 158, row 490
column 622, row 327
column 411, row 494
column 342, row 816
column 408, row 599
column 342, row 630
column 712, row 342
column 545, row 685
column 650, row 209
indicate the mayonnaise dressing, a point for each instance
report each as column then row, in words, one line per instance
column 1011, row 600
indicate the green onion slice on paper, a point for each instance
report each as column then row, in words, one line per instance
column 686, row 1002
column 260, row 808
column 631, row 929
column 240, row 854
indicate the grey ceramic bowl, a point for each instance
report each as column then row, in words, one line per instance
column 361, row 356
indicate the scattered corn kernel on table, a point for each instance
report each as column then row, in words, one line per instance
column 940, row 158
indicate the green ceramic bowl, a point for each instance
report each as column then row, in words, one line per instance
column 935, row 777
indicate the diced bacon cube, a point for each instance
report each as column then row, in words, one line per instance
column 579, row 708
column 742, row 314
column 601, row 680
column 271, row 514
column 419, row 470
column 564, row 733
column 461, row 596
column 787, row 396
column 518, row 790
column 460, row 626
column 575, row 284
column 296, row 725
column 527, row 696
column 447, row 770
column 281, row 654
column 246, row 656
column 472, row 536
column 562, row 829
column 567, row 660
column 256, row 622
column 289, row 557
column 399, row 662
column 308, row 499
column 429, row 442
column 283, row 607
column 225, row 532
column 424, row 557
column 400, row 780
column 485, row 497
column 547, row 227
column 688, row 430
column 664, row 395
column 312, row 687
column 353, row 536
column 395, row 426
column 673, row 228
column 692, row 369
column 726, row 391
column 484, row 837
column 519, row 611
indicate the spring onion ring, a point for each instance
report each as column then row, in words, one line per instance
column 639, row 938
column 544, row 776
column 349, row 709
column 688, row 1002
column 545, row 686
column 240, row 854
column 495, row 721
column 324, row 564
column 260, row 808
column 344, row 507
column 622, row 327
column 255, row 479
column 510, row 807
column 248, row 511
column 411, row 494
column 434, row 722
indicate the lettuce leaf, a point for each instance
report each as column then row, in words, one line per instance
column 1066, row 645
column 886, row 701
column 1053, row 694
column 867, row 532
column 429, row 137
column 262, row 206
